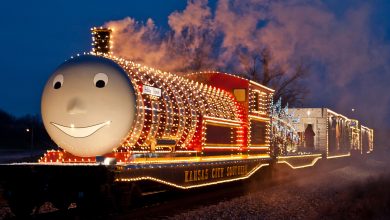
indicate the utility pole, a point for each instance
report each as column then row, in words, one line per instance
column 31, row 131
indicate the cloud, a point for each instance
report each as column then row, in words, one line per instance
column 349, row 61
column 197, row 15
column 137, row 41
column 170, row 51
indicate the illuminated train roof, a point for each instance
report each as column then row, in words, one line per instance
column 183, row 103
column 169, row 108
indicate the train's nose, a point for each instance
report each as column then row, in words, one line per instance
column 75, row 106
column 88, row 106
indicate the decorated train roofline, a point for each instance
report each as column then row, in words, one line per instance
column 179, row 120
column 181, row 130
column 124, row 129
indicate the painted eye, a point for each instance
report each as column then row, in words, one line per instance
column 58, row 81
column 100, row 80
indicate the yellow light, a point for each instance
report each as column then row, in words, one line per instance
column 337, row 156
column 192, row 186
column 259, row 118
column 302, row 166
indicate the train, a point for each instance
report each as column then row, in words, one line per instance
column 124, row 129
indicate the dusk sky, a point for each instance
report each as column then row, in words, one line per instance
column 37, row 36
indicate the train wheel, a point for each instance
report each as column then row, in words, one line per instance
column 61, row 200
column 21, row 203
column 97, row 201
column 88, row 204
column 127, row 195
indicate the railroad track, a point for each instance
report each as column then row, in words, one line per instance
column 168, row 203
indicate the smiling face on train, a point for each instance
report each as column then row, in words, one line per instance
column 88, row 106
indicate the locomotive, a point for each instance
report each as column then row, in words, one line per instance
column 131, row 128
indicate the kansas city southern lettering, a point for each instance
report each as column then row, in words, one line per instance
column 214, row 173
column 196, row 175
column 236, row 170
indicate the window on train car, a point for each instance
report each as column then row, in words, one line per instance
column 166, row 142
column 258, row 132
column 240, row 94
column 218, row 134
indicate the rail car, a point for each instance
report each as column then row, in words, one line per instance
column 123, row 128
column 332, row 133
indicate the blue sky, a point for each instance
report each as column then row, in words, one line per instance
column 37, row 36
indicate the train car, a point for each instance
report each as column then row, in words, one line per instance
column 367, row 139
column 124, row 129
column 325, row 131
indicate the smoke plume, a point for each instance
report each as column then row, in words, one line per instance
column 348, row 57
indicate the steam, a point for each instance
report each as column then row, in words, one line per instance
column 349, row 61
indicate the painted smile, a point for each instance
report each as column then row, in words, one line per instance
column 80, row 132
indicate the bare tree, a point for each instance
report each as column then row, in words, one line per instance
column 197, row 50
column 259, row 67
column 195, row 47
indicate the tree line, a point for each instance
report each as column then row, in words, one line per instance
column 24, row 132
